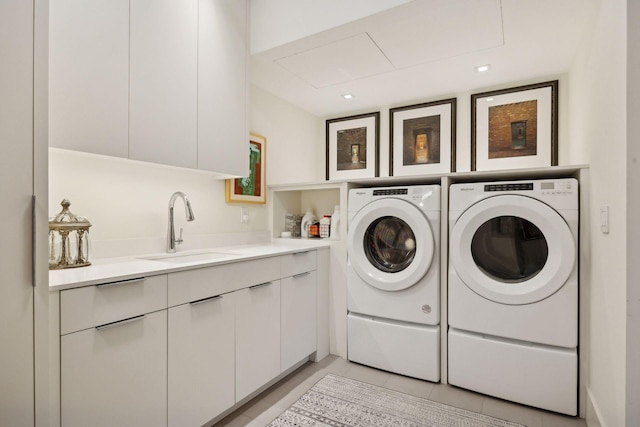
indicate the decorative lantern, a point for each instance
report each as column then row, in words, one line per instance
column 68, row 239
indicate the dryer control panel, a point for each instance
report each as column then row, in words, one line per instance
column 559, row 193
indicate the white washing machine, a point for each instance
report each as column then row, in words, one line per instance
column 393, row 279
column 513, row 291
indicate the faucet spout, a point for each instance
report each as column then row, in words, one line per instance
column 171, row 232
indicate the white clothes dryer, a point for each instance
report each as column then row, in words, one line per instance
column 513, row 291
column 393, row 279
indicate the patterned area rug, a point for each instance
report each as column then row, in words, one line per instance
column 342, row 402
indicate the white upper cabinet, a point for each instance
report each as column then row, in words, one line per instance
column 164, row 82
column 222, row 87
column 161, row 81
column 89, row 76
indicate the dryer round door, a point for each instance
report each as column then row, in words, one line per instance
column 512, row 249
column 390, row 244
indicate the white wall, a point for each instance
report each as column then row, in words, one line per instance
column 633, row 210
column 598, row 134
column 463, row 124
column 295, row 148
column 126, row 199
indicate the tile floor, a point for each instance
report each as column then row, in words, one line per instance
column 260, row 411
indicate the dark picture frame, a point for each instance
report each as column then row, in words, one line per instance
column 515, row 128
column 422, row 138
column 353, row 147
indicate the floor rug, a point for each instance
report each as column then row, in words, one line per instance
column 342, row 402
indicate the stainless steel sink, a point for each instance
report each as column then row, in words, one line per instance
column 186, row 257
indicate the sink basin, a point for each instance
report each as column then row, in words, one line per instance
column 185, row 257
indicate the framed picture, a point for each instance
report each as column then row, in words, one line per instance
column 515, row 128
column 353, row 147
column 253, row 188
column 423, row 138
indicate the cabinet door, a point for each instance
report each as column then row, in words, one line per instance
column 116, row 376
column 298, row 325
column 223, row 137
column 201, row 360
column 17, row 138
column 89, row 76
column 257, row 337
column 163, row 76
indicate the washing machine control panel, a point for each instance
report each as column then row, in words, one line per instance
column 391, row 192
column 509, row 187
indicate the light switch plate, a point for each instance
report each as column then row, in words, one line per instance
column 244, row 215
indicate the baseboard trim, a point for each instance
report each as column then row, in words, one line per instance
column 592, row 417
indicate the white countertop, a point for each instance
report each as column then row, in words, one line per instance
column 115, row 269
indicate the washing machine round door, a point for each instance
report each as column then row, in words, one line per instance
column 512, row 249
column 390, row 244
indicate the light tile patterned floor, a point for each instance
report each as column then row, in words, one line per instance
column 264, row 408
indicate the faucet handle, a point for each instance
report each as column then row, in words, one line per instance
column 179, row 239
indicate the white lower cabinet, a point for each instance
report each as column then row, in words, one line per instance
column 298, row 323
column 116, row 374
column 201, row 360
column 183, row 348
column 257, row 337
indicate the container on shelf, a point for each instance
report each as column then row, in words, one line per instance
column 306, row 222
column 314, row 229
column 292, row 224
column 325, row 226
column 335, row 223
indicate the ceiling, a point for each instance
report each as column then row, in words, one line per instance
column 424, row 49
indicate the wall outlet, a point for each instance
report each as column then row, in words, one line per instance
column 604, row 219
column 244, row 215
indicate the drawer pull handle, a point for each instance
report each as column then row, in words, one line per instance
column 203, row 300
column 260, row 285
column 300, row 253
column 34, row 240
column 121, row 282
column 119, row 322
column 306, row 273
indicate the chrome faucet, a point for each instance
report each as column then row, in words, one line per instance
column 171, row 233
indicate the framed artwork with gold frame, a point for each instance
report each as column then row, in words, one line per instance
column 253, row 188
column 515, row 128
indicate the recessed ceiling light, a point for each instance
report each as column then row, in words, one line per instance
column 347, row 96
column 483, row 68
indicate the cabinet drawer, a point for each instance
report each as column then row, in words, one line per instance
column 298, row 318
column 116, row 376
column 257, row 337
column 193, row 285
column 90, row 306
column 298, row 262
